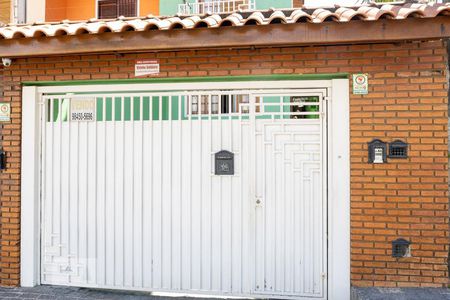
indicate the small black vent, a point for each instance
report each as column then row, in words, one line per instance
column 398, row 149
column 400, row 248
column 2, row 160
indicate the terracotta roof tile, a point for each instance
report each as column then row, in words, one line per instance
column 243, row 18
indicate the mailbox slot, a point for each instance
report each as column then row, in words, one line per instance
column 377, row 152
column 224, row 163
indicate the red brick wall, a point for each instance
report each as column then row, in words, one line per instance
column 407, row 100
column 10, row 187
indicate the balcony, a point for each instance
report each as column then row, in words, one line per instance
column 217, row 7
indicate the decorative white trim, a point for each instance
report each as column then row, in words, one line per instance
column 338, row 168
column 188, row 86
column 30, row 219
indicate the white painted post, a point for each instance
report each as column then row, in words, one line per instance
column 339, row 192
column 29, row 247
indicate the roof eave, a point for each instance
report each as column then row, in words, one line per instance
column 298, row 34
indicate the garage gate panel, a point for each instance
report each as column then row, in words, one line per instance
column 130, row 199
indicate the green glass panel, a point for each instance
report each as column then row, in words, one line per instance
column 155, row 107
column 65, row 107
column 99, row 109
column 49, row 110
column 165, row 108
column 137, row 108
column 146, row 108
column 108, row 109
column 55, row 109
column 118, row 109
column 127, row 108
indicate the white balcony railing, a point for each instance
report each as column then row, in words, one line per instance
column 213, row 6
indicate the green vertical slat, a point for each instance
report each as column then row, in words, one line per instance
column 55, row 109
column 165, row 108
column 118, row 109
column 155, row 107
column 146, row 108
column 108, row 109
column 127, row 109
column 99, row 109
column 49, row 110
column 286, row 108
column 65, row 109
column 137, row 108
column 183, row 108
column 175, row 100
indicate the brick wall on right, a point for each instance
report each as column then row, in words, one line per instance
column 405, row 198
column 407, row 100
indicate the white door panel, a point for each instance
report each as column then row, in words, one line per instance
column 131, row 200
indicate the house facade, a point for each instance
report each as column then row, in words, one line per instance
column 57, row 10
column 286, row 153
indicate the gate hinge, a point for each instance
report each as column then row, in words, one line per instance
column 324, row 275
column 326, row 98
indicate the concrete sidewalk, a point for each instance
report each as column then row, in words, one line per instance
column 400, row 294
column 72, row 293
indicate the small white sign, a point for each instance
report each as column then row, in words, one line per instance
column 82, row 110
column 146, row 68
column 360, row 84
column 5, row 112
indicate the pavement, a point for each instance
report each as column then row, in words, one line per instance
column 72, row 293
column 373, row 293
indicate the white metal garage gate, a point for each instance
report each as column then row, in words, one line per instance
column 130, row 199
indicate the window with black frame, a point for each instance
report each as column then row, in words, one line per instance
column 111, row 9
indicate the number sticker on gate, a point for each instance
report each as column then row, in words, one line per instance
column 82, row 110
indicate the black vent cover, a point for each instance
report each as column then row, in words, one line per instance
column 400, row 248
column 398, row 149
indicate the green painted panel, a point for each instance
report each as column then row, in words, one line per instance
column 118, row 109
column 136, row 108
column 155, row 108
column 55, row 109
column 100, row 109
column 265, row 4
column 127, row 108
column 146, row 108
column 175, row 101
column 165, row 108
column 108, row 116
